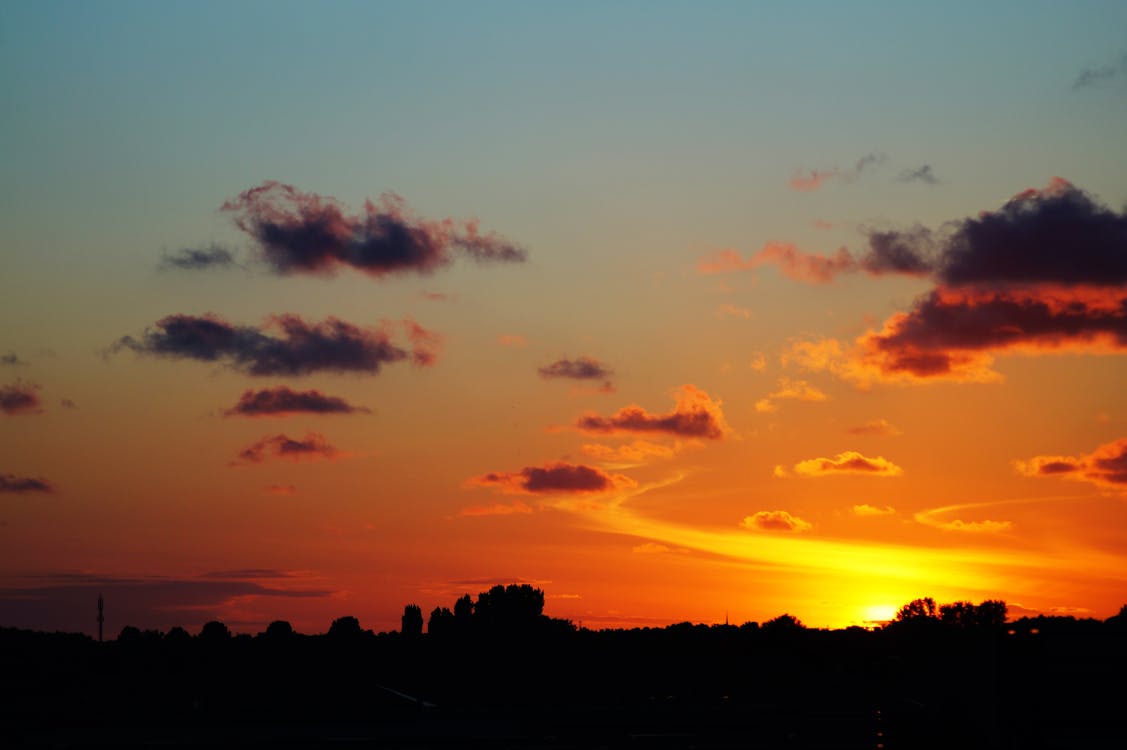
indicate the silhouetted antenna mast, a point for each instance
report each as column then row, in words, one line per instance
column 101, row 618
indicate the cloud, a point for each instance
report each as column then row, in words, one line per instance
column 195, row 259
column 554, row 478
column 1106, row 466
column 794, row 264
column 848, row 462
column 1096, row 76
column 922, row 173
column 281, row 489
column 10, row 483
column 695, row 415
column 873, row 510
column 312, row 447
column 145, row 602
column 797, row 390
column 67, row 403
column 20, row 397
column 496, row 509
column 1047, row 272
column 281, row 401
column 728, row 310
column 301, row 232
column 631, row 454
column 775, row 520
column 514, row 340
column 876, row 427
column 425, row 345
column 810, row 180
column 11, row 360
column 970, row 527
column 301, row 348
column 758, row 362
column 581, row 368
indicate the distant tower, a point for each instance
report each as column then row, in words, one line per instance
column 101, row 618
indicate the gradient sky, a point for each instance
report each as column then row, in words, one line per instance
column 682, row 312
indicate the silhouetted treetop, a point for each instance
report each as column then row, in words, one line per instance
column 345, row 627
column 412, row 621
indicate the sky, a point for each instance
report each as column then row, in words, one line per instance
column 676, row 311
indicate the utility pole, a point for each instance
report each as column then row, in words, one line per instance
column 101, row 618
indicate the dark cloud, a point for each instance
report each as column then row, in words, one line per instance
column 1106, row 466
column 11, row 360
column 307, row 233
column 247, row 573
column 195, row 259
column 813, row 179
column 64, row 601
column 695, row 415
column 1095, row 76
column 329, row 346
column 10, row 483
column 922, row 173
column 312, row 447
column 20, row 398
column 67, row 403
column 581, row 368
column 280, row 401
column 554, row 478
column 909, row 252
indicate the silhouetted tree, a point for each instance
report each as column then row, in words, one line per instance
column 215, row 632
column 129, row 635
column 345, row 627
column 958, row 615
column 509, row 607
column 783, row 624
column 463, row 612
column 441, row 622
column 278, row 630
column 991, row 614
column 917, row 609
column 412, row 621
column 177, row 635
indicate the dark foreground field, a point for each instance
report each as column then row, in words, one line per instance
column 523, row 680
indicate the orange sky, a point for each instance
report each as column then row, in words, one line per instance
column 394, row 322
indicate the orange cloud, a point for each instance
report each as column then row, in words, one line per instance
column 873, row 510
column 554, row 478
column 797, row 390
column 631, row 454
column 696, row 415
column 496, row 509
column 1106, row 466
column 848, row 462
column 878, row 427
column 510, row 339
column 775, row 520
column 795, row 264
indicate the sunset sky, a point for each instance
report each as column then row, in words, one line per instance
column 676, row 311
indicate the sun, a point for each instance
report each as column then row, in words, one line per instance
column 876, row 614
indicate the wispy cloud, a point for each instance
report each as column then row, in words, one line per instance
column 812, row 179
column 875, row 427
column 197, row 259
column 873, row 510
column 497, row 509
column 299, row 232
column 1098, row 75
column 923, row 173
column 11, row 360
column 794, row 390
